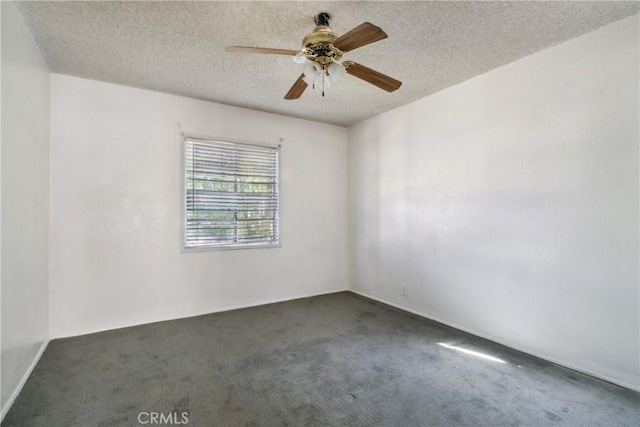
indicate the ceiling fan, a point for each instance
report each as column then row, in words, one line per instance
column 322, row 52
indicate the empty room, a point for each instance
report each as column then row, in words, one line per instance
column 272, row 213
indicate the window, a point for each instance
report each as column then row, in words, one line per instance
column 230, row 194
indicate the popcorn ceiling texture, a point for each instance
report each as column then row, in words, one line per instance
column 178, row 47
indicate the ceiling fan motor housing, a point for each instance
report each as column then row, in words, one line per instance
column 318, row 45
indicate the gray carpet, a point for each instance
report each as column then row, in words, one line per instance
column 333, row 360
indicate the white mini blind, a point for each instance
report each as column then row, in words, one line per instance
column 231, row 192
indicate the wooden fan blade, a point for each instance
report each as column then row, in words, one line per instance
column 297, row 89
column 362, row 35
column 265, row 50
column 375, row 78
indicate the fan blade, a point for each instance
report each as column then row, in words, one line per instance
column 360, row 36
column 375, row 78
column 265, row 50
column 297, row 89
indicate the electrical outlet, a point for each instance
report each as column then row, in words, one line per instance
column 405, row 289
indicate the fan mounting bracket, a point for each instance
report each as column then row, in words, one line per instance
column 323, row 18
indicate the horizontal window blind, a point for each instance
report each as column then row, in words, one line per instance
column 231, row 194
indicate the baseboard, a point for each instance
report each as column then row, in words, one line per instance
column 204, row 313
column 501, row 342
column 24, row 379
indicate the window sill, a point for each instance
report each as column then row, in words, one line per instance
column 228, row 247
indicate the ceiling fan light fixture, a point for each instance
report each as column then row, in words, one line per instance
column 311, row 72
column 299, row 58
column 336, row 72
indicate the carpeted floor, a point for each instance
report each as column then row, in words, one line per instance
column 333, row 360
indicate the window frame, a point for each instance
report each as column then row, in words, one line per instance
column 205, row 248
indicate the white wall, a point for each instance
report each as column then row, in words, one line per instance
column 509, row 204
column 1, row 405
column 25, row 203
column 116, row 210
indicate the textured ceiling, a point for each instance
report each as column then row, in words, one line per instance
column 178, row 47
